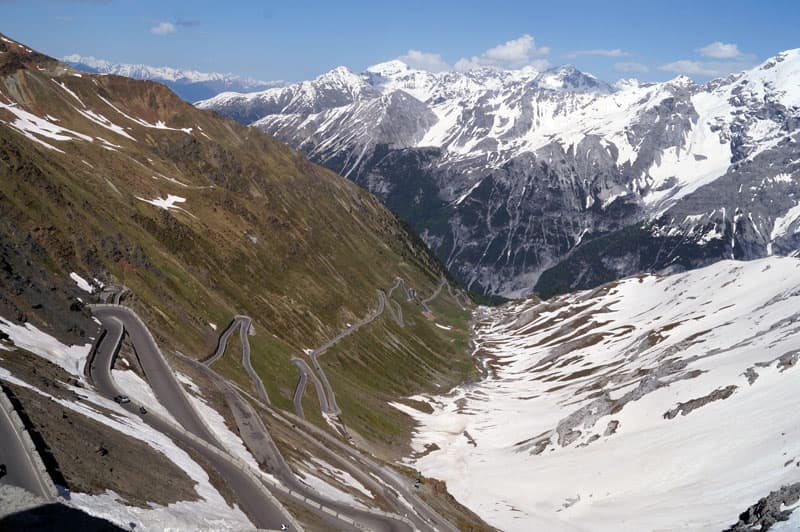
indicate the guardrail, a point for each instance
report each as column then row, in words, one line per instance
column 197, row 440
column 296, row 494
column 260, row 480
column 41, row 471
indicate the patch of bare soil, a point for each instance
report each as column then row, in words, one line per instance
column 434, row 492
column 422, row 406
column 92, row 458
column 429, row 448
column 82, row 454
column 127, row 359
column 20, row 510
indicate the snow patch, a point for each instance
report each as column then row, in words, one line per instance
column 211, row 512
column 167, row 203
column 82, row 283
column 140, row 392
column 71, row 358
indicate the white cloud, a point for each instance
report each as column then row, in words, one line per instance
column 163, row 28
column 725, row 58
column 424, row 61
column 685, row 66
column 516, row 53
column 615, row 52
column 706, row 69
column 720, row 50
column 637, row 68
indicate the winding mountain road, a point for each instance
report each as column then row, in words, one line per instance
column 255, row 500
column 244, row 323
column 327, row 399
column 250, row 490
column 260, row 443
column 435, row 294
column 305, row 373
column 422, row 516
column 155, row 367
column 333, row 408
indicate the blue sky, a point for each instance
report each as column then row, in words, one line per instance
column 300, row 39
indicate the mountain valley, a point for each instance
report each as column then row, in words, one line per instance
column 498, row 295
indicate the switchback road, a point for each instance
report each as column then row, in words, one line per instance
column 256, row 502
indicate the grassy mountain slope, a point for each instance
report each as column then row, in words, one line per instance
column 260, row 231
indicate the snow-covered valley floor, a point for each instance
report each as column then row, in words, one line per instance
column 656, row 403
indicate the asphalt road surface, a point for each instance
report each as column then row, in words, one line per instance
column 17, row 467
column 261, row 509
column 306, row 372
column 243, row 323
column 260, row 443
column 333, row 408
column 423, row 517
column 156, row 370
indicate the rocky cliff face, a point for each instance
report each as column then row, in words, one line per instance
column 506, row 173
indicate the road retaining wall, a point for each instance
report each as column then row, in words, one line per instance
column 46, row 481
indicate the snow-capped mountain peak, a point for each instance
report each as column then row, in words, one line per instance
column 101, row 65
column 568, row 78
column 341, row 78
column 681, row 81
column 600, row 157
column 389, row 69
column 191, row 85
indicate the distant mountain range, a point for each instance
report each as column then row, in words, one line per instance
column 549, row 181
column 190, row 85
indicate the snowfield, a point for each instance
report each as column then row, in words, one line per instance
column 71, row 358
column 655, row 403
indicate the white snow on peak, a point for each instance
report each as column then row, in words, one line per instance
column 389, row 68
column 341, row 75
column 494, row 116
column 569, row 78
column 139, row 71
column 681, row 80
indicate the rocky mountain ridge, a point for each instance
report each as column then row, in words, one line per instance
column 506, row 173
column 191, row 85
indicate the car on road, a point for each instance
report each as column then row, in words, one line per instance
column 122, row 399
column 3, row 470
column 142, row 410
